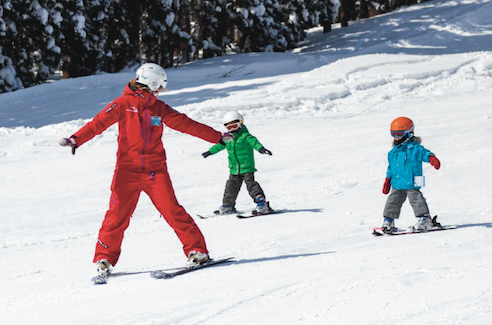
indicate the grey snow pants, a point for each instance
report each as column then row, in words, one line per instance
column 233, row 186
column 397, row 198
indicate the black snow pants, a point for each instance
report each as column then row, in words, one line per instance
column 233, row 186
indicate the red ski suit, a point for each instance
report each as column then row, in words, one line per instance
column 141, row 166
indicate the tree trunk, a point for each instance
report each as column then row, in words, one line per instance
column 343, row 13
column 347, row 12
column 364, row 9
column 326, row 26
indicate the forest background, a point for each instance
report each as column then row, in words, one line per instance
column 85, row 37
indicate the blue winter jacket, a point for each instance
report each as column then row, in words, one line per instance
column 405, row 163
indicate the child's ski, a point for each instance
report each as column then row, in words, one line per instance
column 252, row 215
column 216, row 214
column 256, row 213
column 380, row 231
column 160, row 274
column 398, row 231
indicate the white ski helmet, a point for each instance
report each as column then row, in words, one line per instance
column 152, row 75
column 233, row 117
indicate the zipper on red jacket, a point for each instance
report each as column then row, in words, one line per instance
column 144, row 130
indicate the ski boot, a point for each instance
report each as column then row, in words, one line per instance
column 103, row 267
column 425, row 222
column 262, row 207
column 224, row 209
column 388, row 225
column 196, row 258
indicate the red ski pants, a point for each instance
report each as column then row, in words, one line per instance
column 126, row 188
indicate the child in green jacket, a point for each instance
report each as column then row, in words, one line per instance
column 241, row 164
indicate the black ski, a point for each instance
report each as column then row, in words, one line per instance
column 160, row 274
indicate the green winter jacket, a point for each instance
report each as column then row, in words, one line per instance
column 240, row 150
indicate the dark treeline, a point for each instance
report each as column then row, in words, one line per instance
column 83, row 37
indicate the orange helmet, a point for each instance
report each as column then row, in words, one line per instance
column 401, row 126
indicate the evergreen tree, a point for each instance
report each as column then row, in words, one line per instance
column 109, row 35
column 207, row 25
column 54, row 35
column 24, row 33
column 224, row 32
column 160, row 35
column 321, row 12
column 175, row 39
column 187, row 48
column 382, row 6
column 97, row 23
column 73, row 40
column 32, row 47
column 296, row 17
column 257, row 28
column 8, row 76
column 108, row 41
column 121, row 48
column 47, row 37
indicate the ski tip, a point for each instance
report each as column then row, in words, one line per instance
column 99, row 280
column 378, row 232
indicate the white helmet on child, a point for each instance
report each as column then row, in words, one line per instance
column 152, row 75
column 233, row 116
column 233, row 120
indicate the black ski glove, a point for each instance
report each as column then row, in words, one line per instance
column 206, row 154
column 265, row 151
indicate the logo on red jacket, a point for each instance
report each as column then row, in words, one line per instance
column 111, row 107
column 132, row 109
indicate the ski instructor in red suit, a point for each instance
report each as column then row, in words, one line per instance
column 141, row 164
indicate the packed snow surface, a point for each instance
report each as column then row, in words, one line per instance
column 324, row 110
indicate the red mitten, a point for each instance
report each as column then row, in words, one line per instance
column 387, row 186
column 435, row 162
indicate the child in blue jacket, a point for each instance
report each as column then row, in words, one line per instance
column 404, row 175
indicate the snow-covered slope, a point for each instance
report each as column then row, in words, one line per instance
column 324, row 111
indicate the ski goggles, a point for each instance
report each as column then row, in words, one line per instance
column 232, row 126
column 400, row 134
